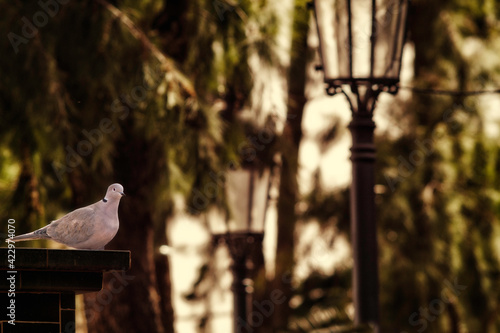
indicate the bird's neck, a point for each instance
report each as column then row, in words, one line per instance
column 110, row 206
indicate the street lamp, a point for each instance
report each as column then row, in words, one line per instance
column 247, row 192
column 361, row 45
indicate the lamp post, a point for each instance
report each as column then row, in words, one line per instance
column 247, row 198
column 361, row 44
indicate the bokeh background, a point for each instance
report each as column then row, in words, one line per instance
column 162, row 95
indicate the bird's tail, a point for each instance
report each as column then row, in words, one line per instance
column 37, row 234
column 28, row 236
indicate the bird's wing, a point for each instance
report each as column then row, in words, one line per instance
column 75, row 227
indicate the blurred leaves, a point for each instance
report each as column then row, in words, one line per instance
column 437, row 188
column 174, row 77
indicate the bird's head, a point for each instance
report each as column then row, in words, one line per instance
column 114, row 193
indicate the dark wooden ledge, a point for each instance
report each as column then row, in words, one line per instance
column 46, row 282
column 61, row 270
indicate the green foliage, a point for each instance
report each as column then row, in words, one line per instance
column 322, row 302
column 437, row 195
column 141, row 92
column 101, row 69
column 437, row 221
column 170, row 79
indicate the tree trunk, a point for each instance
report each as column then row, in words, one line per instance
column 164, row 286
column 131, row 302
column 288, row 188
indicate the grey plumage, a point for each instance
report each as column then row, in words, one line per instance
column 90, row 227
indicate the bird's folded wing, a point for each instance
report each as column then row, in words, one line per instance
column 73, row 228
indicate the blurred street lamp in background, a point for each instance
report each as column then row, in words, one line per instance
column 247, row 196
column 361, row 45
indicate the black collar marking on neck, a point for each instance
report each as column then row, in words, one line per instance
column 105, row 200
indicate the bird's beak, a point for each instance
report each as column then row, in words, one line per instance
column 122, row 193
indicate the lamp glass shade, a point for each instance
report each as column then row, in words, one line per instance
column 247, row 196
column 361, row 40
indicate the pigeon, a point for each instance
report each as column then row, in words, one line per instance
column 89, row 228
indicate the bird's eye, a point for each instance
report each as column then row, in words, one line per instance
column 114, row 190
